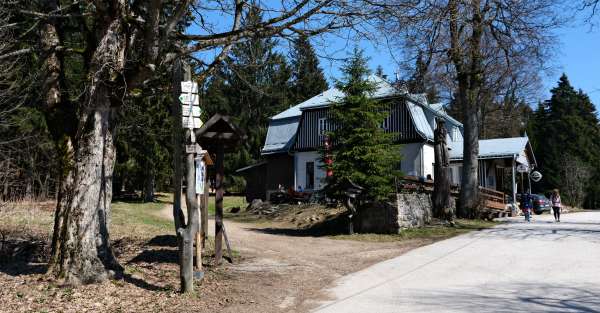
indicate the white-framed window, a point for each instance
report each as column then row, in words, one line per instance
column 454, row 133
column 386, row 123
column 323, row 127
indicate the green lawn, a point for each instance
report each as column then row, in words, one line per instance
column 435, row 232
column 137, row 217
column 228, row 203
column 129, row 218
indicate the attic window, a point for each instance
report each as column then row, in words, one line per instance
column 323, row 127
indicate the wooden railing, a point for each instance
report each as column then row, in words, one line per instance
column 413, row 183
column 494, row 199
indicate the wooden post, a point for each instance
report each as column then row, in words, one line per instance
column 177, row 140
column 219, row 203
column 199, row 239
column 514, row 183
column 204, row 213
column 186, row 233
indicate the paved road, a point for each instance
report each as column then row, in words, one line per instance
column 515, row 267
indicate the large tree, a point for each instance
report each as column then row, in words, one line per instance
column 121, row 47
column 473, row 46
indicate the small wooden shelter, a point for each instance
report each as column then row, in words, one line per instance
column 219, row 135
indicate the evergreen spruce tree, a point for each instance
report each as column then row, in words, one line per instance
column 307, row 76
column 566, row 134
column 253, row 84
column 362, row 151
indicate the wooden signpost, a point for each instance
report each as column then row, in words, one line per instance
column 219, row 134
column 187, row 111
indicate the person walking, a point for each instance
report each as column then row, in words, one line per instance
column 556, row 205
column 527, row 205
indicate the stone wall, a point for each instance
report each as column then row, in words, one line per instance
column 408, row 211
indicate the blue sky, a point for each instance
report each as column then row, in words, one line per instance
column 577, row 55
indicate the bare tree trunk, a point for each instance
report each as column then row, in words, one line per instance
column 149, row 185
column 442, row 207
column 65, row 183
column 469, row 191
column 83, row 253
column 469, row 77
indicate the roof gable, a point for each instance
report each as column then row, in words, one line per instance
column 333, row 95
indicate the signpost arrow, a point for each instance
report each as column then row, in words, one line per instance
column 189, row 98
column 188, row 110
column 189, row 86
column 195, row 122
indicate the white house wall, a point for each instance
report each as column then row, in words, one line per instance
column 417, row 160
column 411, row 159
column 428, row 160
column 301, row 158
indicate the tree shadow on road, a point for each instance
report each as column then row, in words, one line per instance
column 554, row 233
column 514, row 298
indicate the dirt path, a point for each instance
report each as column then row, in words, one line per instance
column 287, row 273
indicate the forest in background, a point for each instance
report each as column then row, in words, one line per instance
column 257, row 79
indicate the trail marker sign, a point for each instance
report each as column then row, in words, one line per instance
column 522, row 168
column 194, row 122
column 189, row 98
column 200, row 175
column 191, row 110
column 189, row 86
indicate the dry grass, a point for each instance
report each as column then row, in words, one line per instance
column 144, row 245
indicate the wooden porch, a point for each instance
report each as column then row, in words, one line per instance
column 494, row 201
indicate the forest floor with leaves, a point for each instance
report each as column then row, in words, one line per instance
column 277, row 267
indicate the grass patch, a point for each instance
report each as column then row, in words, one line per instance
column 435, row 232
column 228, row 203
column 130, row 218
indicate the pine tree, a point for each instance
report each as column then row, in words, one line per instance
column 362, row 152
column 307, row 75
column 565, row 132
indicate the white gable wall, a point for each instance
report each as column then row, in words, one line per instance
column 428, row 160
column 300, row 160
column 411, row 159
column 417, row 160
